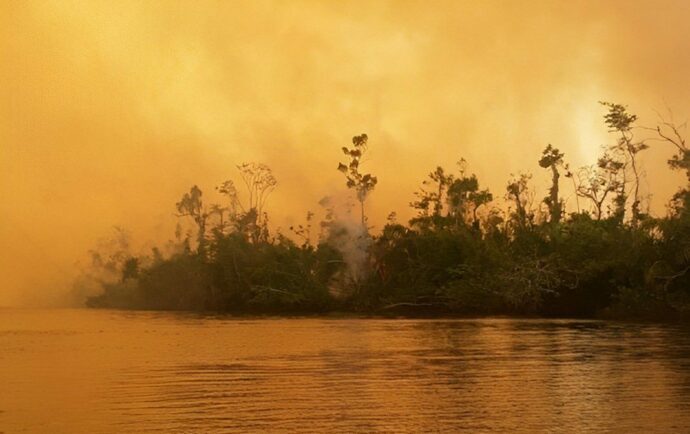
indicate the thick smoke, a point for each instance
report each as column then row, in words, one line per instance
column 109, row 111
column 343, row 230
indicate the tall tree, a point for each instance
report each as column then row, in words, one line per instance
column 552, row 158
column 361, row 183
column 517, row 192
column 620, row 121
column 249, row 215
column 670, row 132
column 192, row 206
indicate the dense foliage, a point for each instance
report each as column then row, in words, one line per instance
column 459, row 255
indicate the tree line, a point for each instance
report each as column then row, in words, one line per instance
column 460, row 255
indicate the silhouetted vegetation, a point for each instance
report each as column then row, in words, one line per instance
column 460, row 254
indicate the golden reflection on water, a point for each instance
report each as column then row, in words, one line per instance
column 108, row 371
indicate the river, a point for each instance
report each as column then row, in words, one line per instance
column 92, row 371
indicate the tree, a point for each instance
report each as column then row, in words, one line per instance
column 219, row 211
column 518, row 193
column 669, row 132
column 303, row 231
column 571, row 175
column 459, row 255
column 249, row 216
column 260, row 183
column 552, row 159
column 465, row 198
column 597, row 182
column 459, row 193
column 361, row 183
column 479, row 198
column 441, row 181
column 620, row 121
column 192, row 206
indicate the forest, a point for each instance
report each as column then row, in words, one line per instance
column 606, row 257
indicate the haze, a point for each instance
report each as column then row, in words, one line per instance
column 110, row 111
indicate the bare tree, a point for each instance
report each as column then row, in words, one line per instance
column 260, row 184
column 249, row 215
column 620, row 121
column 596, row 183
column 669, row 132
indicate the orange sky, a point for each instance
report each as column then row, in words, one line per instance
column 109, row 111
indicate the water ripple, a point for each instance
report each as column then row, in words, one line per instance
column 139, row 372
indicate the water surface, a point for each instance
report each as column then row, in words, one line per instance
column 92, row 371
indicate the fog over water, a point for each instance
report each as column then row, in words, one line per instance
column 109, row 111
